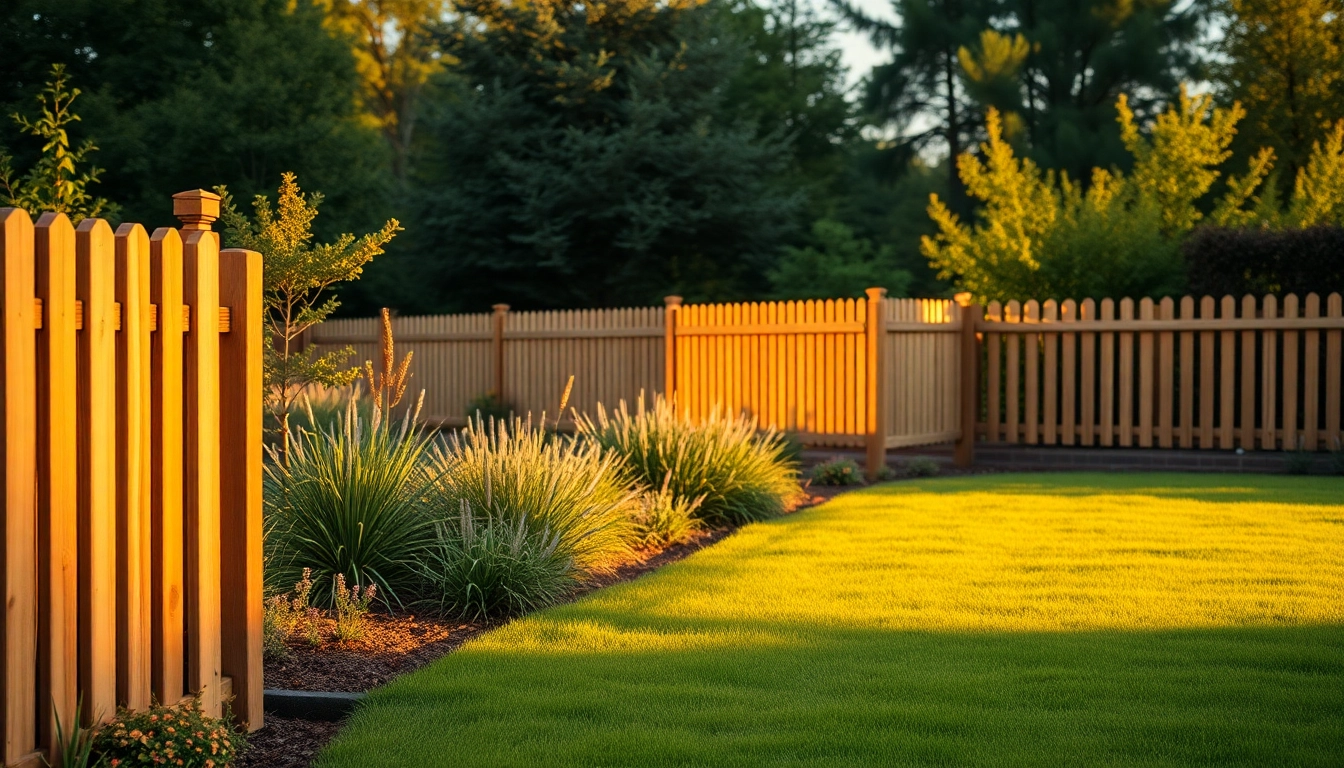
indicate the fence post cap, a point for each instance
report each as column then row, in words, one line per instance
column 196, row 208
column 963, row 298
column 876, row 293
column 500, row 308
column 672, row 301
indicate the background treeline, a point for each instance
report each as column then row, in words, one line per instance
column 560, row 154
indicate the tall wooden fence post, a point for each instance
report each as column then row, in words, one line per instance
column 671, row 308
column 500, row 319
column 971, row 313
column 240, row 352
column 200, row 261
column 875, row 333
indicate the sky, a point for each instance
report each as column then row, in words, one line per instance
column 859, row 54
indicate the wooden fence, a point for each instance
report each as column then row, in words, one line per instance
column 130, row 385
column 813, row 367
column 1182, row 373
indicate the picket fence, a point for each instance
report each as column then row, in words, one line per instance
column 130, row 385
column 889, row 373
column 1183, row 373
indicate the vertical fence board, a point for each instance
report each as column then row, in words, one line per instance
column 1107, row 399
column 240, row 393
column 1290, row 370
column 1207, row 388
column 1146, row 377
column 57, row 489
column 1269, row 370
column 167, row 590
column 1126, row 372
column 1032, row 316
column 1335, row 309
column 1087, row 412
column 95, row 287
column 18, row 463
column 1227, row 379
column 200, row 260
column 1013, row 314
column 993, row 376
column 1248, row 360
column 1068, row 363
column 1166, row 310
column 1311, row 376
column 135, row 548
column 1186, row 412
column 1050, row 373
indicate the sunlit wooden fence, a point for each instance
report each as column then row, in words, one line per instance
column 130, row 385
column 889, row 373
column 1188, row 373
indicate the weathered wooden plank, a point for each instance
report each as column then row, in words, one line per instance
column 1228, row 380
column 1068, row 370
column 1246, row 437
column 1087, row 411
column 1050, row 373
column 1032, row 316
column 1107, row 398
column 1126, row 372
column 993, row 377
column 1290, row 379
column 1165, row 375
column 1333, row 436
column 1311, row 378
column 1269, row 370
column 1208, row 387
column 1186, row 413
column 1147, row 377
column 1012, row 314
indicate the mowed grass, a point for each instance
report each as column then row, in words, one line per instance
column 1048, row 620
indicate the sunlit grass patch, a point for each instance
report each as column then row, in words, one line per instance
column 1010, row 620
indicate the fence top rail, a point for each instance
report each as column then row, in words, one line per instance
column 1033, row 325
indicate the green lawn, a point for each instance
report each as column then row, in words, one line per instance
column 1051, row 620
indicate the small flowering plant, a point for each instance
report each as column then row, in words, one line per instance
column 837, row 471
column 352, row 605
column 177, row 735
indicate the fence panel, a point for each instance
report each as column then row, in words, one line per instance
column 1254, row 376
column 96, row 465
column 922, row 385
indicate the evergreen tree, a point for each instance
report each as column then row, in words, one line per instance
column 581, row 155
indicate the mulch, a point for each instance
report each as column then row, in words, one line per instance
column 395, row 644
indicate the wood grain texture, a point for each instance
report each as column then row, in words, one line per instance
column 167, row 589
column 57, row 479
column 95, row 288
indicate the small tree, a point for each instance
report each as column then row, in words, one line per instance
column 54, row 183
column 296, row 273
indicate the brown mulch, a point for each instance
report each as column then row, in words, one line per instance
column 393, row 645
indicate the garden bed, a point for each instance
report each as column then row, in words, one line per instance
column 394, row 645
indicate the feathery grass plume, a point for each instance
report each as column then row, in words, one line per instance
column 388, row 387
column 349, row 503
column 486, row 566
column 740, row 473
column 513, row 474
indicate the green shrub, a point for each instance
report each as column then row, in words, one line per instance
column 489, row 406
column 349, row 503
column 484, row 566
column 837, row 471
column 740, row 474
column 921, row 466
column 507, row 474
column 664, row 519
column 178, row 735
column 791, row 447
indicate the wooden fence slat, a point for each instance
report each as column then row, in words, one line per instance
column 18, row 467
column 1207, row 386
column 993, row 377
column 1147, row 377
column 1248, row 360
column 1087, row 411
column 1107, row 398
column 1334, row 308
column 1311, row 377
column 167, row 583
column 875, row 341
column 1165, row 375
column 1068, row 384
column 134, row 471
column 95, row 287
column 1012, row 314
column 1032, row 314
column 57, row 490
column 1186, row 412
column 1227, row 379
column 240, row 353
column 1050, row 374
column 1126, row 372
column 200, row 261
column 1290, row 364
column 1269, row 370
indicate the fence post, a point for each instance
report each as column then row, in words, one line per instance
column 671, row 309
column 500, row 319
column 970, row 379
column 240, row 352
column 197, row 209
column 875, row 333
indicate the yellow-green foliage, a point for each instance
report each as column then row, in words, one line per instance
column 1069, row 619
column 1040, row 235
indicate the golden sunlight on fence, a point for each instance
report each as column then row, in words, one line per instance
column 1182, row 373
column 131, row 471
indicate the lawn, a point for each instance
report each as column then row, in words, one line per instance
column 1070, row 619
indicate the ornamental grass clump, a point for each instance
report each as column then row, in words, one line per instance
column 740, row 473
column 348, row 501
column 514, row 505
column 664, row 519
